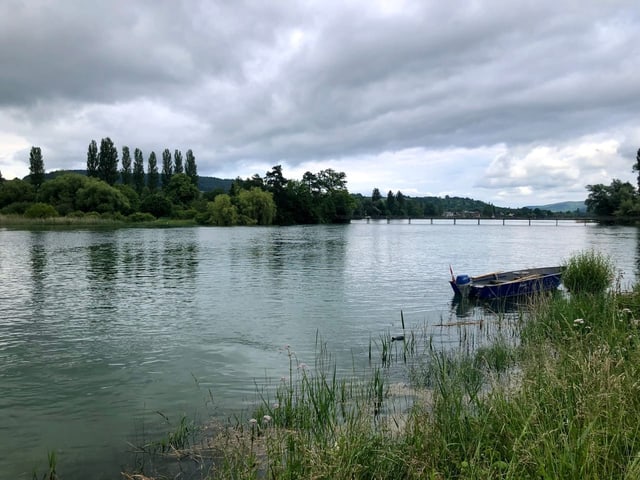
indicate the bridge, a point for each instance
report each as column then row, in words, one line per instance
column 455, row 220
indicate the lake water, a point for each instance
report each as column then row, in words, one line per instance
column 100, row 329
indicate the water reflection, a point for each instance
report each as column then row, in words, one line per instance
column 464, row 307
column 38, row 264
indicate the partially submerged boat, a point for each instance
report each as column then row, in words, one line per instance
column 507, row 284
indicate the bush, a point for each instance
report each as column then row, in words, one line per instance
column 588, row 272
column 141, row 217
column 40, row 210
column 16, row 208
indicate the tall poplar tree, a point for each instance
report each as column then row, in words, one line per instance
column 167, row 168
column 108, row 161
column 125, row 173
column 138, row 170
column 178, row 166
column 152, row 172
column 636, row 168
column 190, row 167
column 92, row 159
column 36, row 167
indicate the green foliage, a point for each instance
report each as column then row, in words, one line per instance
column 141, row 217
column 190, row 167
column 257, row 206
column 588, row 272
column 156, row 204
column 607, row 200
column 152, row 172
column 126, row 172
column 108, row 161
column 92, row 159
column 167, row 168
column 61, row 192
column 181, row 191
column 138, row 170
column 36, row 167
column 178, row 166
column 100, row 197
column 16, row 190
column 221, row 212
column 40, row 210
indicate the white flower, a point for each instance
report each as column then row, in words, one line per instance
column 253, row 421
column 578, row 321
column 276, row 405
column 303, row 366
column 266, row 419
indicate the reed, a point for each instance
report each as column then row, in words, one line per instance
column 589, row 272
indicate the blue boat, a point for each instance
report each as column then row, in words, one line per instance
column 507, row 284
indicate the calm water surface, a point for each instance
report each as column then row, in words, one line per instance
column 101, row 329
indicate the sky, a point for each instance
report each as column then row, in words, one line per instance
column 510, row 102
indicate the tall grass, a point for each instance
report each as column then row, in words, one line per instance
column 588, row 272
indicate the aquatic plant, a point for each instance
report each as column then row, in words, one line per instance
column 588, row 272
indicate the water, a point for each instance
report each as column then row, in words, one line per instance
column 100, row 329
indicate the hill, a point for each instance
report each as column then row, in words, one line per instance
column 562, row 207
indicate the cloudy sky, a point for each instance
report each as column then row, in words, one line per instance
column 507, row 101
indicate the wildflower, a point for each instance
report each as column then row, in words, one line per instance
column 578, row 321
column 276, row 405
column 253, row 421
column 303, row 366
column 266, row 419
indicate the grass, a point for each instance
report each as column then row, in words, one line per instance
column 20, row 221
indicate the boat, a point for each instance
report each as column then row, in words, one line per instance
column 507, row 284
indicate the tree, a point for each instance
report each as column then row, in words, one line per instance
column 157, row 205
column 36, row 167
column 221, row 212
column 1, row 178
column 138, row 170
column 61, row 192
column 16, row 191
column 391, row 203
column 636, row 167
column 125, row 173
column 607, row 200
column 108, row 161
column 375, row 195
column 92, row 159
column 178, row 166
column 190, row 167
column 167, row 168
column 256, row 206
column 99, row 196
column 181, row 191
column 152, row 172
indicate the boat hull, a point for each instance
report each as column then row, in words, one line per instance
column 508, row 284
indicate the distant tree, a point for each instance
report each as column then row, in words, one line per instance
column 221, row 212
column 330, row 181
column 61, row 192
column 92, row 159
column 157, row 205
column 178, row 166
column 125, row 173
column 190, row 167
column 375, row 195
column 108, row 161
column 99, row 196
column 636, row 167
column 138, row 170
column 256, row 206
column 607, row 199
column 391, row 203
column 167, row 168
column 152, row 172
column 1, row 178
column 401, row 203
column 36, row 167
column 181, row 191
column 16, row 191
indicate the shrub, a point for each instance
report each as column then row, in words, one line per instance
column 40, row 210
column 141, row 217
column 588, row 272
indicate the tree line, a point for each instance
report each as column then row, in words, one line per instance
column 122, row 190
